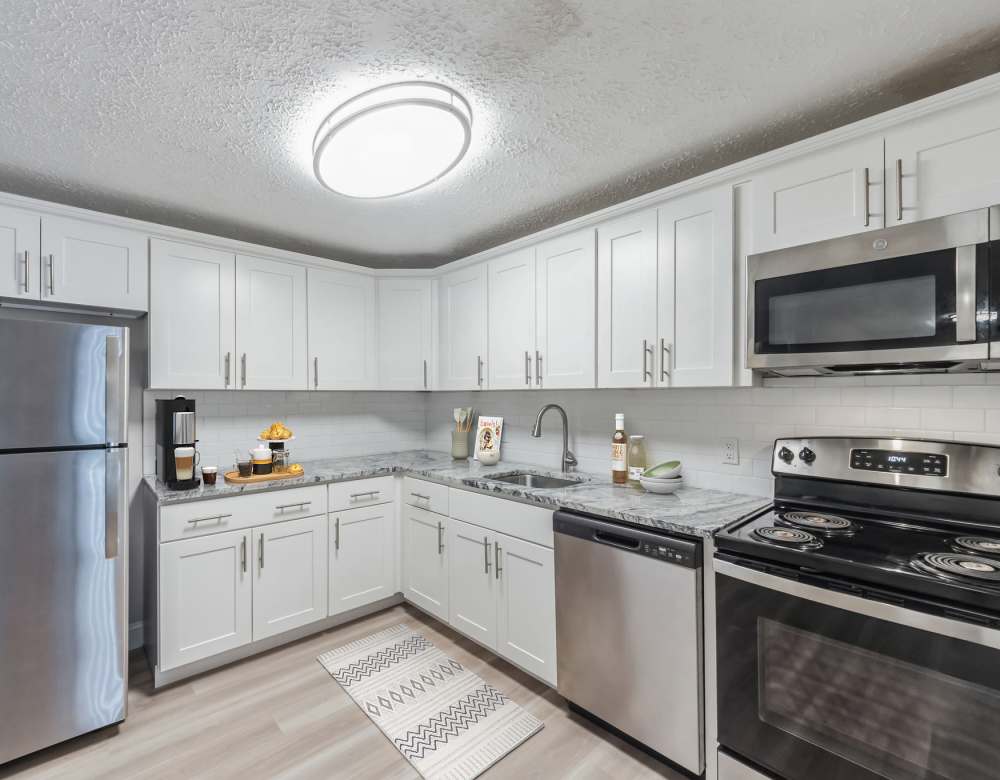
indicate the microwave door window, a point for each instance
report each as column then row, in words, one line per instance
column 878, row 311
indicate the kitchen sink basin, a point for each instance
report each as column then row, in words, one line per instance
column 527, row 479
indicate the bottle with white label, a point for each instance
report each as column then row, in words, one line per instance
column 619, row 452
column 636, row 458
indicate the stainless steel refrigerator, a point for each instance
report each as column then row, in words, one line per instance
column 63, row 528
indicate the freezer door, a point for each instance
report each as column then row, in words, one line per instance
column 55, row 386
column 62, row 596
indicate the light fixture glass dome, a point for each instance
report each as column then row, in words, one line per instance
column 392, row 139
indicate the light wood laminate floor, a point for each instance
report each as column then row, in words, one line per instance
column 280, row 715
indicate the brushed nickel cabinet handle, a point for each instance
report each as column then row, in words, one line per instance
column 496, row 556
column 243, row 370
column 243, row 554
column 486, row 557
column 664, row 360
column 867, row 204
column 538, row 368
column 646, row 351
column 336, row 534
column 425, row 375
column 209, row 517
column 299, row 504
column 52, row 275
column 440, row 538
column 229, row 357
column 25, row 270
column 479, row 370
column 260, row 552
column 355, row 496
column 527, row 368
column 316, row 373
column 421, row 496
column 899, row 190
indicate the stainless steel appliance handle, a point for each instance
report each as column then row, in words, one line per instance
column 260, row 551
column 229, row 357
column 486, row 555
column 527, row 368
column 299, row 504
column 664, row 360
column 115, row 499
column 965, row 293
column 538, row 368
column 891, row 613
column 868, row 211
column 25, row 270
column 336, row 534
column 496, row 557
column 899, row 190
column 207, row 518
column 116, row 388
column 243, row 370
column 316, row 373
column 440, row 538
column 479, row 370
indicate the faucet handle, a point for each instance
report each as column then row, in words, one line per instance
column 569, row 460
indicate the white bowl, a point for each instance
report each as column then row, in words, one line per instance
column 660, row 486
column 668, row 474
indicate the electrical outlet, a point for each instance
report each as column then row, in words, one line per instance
column 731, row 452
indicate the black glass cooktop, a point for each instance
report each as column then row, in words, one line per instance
column 956, row 565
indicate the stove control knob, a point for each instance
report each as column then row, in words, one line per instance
column 807, row 455
column 786, row 454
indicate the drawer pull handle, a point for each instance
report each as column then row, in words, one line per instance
column 300, row 505
column 210, row 517
column 421, row 496
column 355, row 496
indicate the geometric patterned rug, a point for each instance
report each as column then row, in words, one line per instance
column 446, row 721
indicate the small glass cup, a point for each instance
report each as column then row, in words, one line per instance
column 209, row 474
column 280, row 460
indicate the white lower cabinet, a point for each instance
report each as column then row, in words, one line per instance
column 361, row 557
column 425, row 560
column 205, row 597
column 472, row 571
column 290, row 575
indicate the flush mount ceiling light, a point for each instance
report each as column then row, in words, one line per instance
column 392, row 139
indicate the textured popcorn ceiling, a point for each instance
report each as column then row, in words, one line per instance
column 201, row 114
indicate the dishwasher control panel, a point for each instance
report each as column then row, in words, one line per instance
column 629, row 539
column 667, row 553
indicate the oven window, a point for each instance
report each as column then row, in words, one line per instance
column 895, row 309
column 889, row 716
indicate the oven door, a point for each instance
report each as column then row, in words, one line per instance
column 815, row 683
column 911, row 294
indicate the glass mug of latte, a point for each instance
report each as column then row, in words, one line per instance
column 184, row 461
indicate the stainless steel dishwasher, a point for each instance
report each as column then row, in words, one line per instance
column 629, row 632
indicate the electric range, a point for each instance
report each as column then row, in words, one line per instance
column 858, row 618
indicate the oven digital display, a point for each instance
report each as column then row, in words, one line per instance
column 929, row 464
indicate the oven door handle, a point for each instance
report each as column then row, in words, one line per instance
column 965, row 293
column 935, row 624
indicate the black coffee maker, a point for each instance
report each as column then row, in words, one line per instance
column 176, row 450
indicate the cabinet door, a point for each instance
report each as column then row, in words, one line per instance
column 405, row 334
column 463, row 329
column 944, row 163
column 90, row 264
column 526, row 625
column 511, row 320
column 626, row 301
column 19, row 254
column 361, row 557
column 695, row 346
column 820, row 195
column 192, row 317
column 425, row 560
column 270, row 324
column 341, row 330
column 205, row 597
column 473, row 602
column 290, row 575
column 566, row 274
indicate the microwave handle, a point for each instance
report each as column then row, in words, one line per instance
column 965, row 293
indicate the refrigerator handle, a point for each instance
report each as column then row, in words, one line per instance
column 115, row 499
column 116, row 389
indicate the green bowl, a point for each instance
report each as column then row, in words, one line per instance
column 670, row 468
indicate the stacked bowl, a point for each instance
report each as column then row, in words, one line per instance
column 664, row 478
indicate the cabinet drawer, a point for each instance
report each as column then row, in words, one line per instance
column 426, row 495
column 183, row 521
column 361, row 492
column 531, row 523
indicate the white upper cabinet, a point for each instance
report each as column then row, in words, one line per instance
column 511, row 318
column 695, row 346
column 192, row 317
column 270, row 324
column 19, row 254
column 341, row 330
column 463, row 303
column 945, row 162
column 405, row 334
column 823, row 194
column 566, row 284
column 626, row 301
column 90, row 264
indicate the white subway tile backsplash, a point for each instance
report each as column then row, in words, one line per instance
column 952, row 419
column 934, row 397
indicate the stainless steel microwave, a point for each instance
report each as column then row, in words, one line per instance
column 906, row 299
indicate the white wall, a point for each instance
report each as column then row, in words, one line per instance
column 690, row 424
column 325, row 424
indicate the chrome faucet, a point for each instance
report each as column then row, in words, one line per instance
column 568, row 458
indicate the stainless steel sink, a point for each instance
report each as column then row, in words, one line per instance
column 527, row 479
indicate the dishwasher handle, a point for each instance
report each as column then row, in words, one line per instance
column 658, row 545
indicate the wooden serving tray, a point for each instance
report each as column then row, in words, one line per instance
column 234, row 478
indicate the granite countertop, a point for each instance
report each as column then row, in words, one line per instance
column 690, row 510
